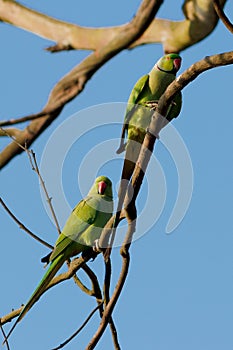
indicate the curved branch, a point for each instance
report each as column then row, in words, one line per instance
column 9, row 317
column 23, row 227
column 108, row 311
column 79, row 329
column 222, row 15
column 21, row 120
column 12, row 132
column 184, row 79
column 202, row 14
column 95, row 291
column 73, row 83
column 175, row 36
column 5, row 337
column 74, row 266
column 209, row 62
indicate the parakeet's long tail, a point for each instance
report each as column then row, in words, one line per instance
column 50, row 273
column 131, row 156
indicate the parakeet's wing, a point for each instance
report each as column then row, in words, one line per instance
column 135, row 94
column 134, row 98
column 83, row 215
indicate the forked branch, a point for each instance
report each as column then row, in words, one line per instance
column 73, row 83
column 183, row 80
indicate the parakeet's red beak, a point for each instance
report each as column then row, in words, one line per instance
column 101, row 187
column 177, row 63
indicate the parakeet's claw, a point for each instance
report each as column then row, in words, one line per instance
column 152, row 104
column 96, row 248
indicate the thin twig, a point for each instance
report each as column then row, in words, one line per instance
column 33, row 162
column 117, row 291
column 82, row 286
column 4, row 335
column 108, row 310
column 27, row 118
column 75, row 265
column 9, row 317
column 48, row 198
column 23, row 227
column 11, row 131
column 96, row 291
column 79, row 329
column 107, row 280
column 222, row 16
column 32, row 159
column 114, row 334
column 9, row 134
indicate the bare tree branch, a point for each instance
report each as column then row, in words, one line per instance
column 222, row 16
column 4, row 335
column 13, row 132
column 82, row 286
column 107, row 280
column 209, row 62
column 114, row 334
column 73, row 83
column 184, row 79
column 95, row 283
column 79, row 329
column 23, row 227
column 74, row 266
column 200, row 20
column 121, row 281
column 9, row 317
column 33, row 161
column 21, row 120
column 97, row 293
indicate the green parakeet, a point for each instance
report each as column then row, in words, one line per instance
column 148, row 88
column 82, row 228
column 146, row 93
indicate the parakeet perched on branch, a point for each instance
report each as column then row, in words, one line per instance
column 148, row 88
column 145, row 95
column 81, row 230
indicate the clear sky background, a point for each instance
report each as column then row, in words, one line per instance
column 178, row 294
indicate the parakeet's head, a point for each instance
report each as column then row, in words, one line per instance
column 169, row 63
column 102, row 186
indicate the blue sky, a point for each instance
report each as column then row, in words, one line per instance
column 178, row 294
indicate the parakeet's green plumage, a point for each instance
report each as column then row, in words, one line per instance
column 148, row 88
column 82, row 228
